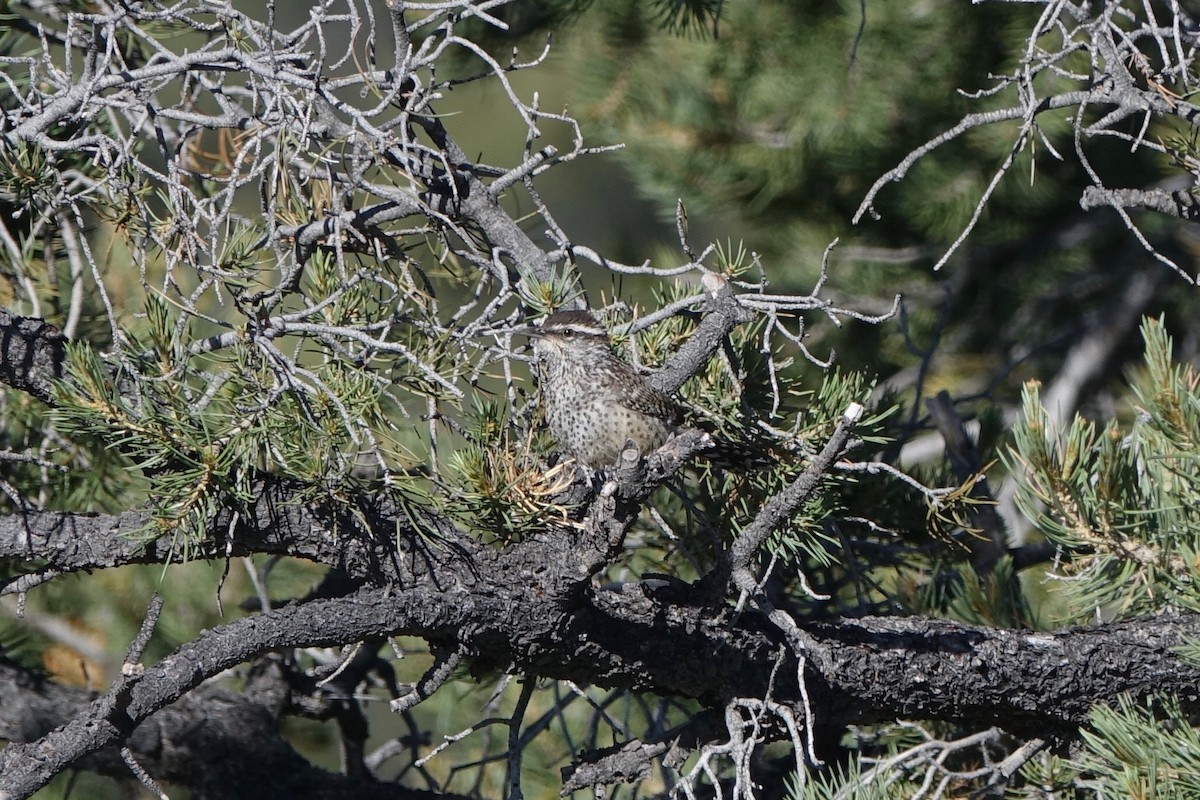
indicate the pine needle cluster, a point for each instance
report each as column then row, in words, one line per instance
column 1123, row 502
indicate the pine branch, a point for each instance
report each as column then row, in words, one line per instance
column 32, row 352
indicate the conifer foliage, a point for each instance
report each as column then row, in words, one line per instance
column 274, row 474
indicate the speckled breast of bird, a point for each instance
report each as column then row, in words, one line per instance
column 588, row 420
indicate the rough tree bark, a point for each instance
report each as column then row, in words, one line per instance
column 530, row 609
column 377, row 184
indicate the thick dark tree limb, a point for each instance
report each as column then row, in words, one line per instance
column 1025, row 682
column 1020, row 681
column 32, row 352
column 278, row 522
column 219, row 743
column 530, row 609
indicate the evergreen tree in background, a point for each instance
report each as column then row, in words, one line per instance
column 276, row 478
column 787, row 119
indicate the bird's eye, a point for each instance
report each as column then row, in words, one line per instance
column 568, row 333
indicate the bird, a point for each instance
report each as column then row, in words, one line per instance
column 594, row 401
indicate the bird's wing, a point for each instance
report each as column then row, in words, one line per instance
column 645, row 399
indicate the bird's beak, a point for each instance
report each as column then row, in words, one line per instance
column 528, row 330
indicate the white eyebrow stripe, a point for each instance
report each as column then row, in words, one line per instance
column 591, row 330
